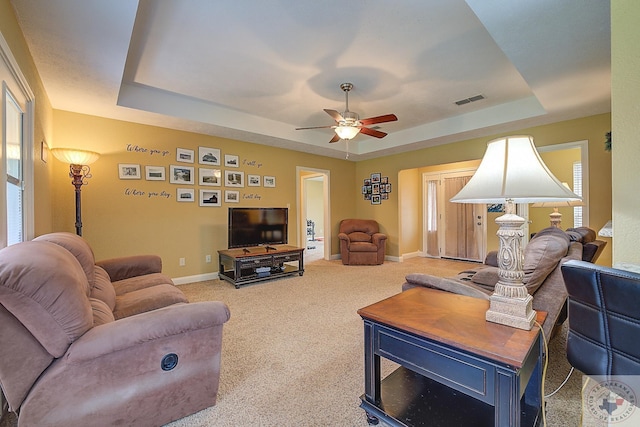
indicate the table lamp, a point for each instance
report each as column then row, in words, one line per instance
column 79, row 172
column 555, row 217
column 511, row 172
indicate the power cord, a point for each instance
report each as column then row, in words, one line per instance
column 561, row 385
column 544, row 374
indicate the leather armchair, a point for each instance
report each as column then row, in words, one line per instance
column 361, row 242
column 604, row 321
column 66, row 361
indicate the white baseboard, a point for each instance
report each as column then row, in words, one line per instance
column 196, row 278
column 409, row 255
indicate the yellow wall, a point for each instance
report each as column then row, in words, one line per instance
column 116, row 222
column 410, row 204
column 625, row 110
column 43, row 121
column 591, row 129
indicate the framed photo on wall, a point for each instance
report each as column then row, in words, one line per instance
column 184, row 194
column 269, row 181
column 231, row 161
column 253, row 180
column 181, row 174
column 154, row 173
column 233, row 179
column 211, row 177
column 231, row 196
column 209, row 156
column 128, row 171
column 184, row 155
column 210, row 198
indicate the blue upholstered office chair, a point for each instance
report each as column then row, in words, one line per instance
column 604, row 319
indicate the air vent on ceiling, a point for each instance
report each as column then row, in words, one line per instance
column 468, row 100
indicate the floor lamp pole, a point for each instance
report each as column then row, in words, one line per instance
column 79, row 173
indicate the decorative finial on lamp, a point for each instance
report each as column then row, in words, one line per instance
column 79, row 172
column 511, row 172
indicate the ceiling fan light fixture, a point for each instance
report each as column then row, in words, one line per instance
column 347, row 132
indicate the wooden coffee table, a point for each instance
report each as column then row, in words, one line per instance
column 455, row 367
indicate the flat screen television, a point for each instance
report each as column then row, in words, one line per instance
column 257, row 226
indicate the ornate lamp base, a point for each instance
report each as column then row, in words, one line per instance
column 555, row 218
column 510, row 303
column 515, row 312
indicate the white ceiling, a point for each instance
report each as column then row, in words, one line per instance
column 254, row 70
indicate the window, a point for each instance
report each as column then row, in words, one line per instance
column 16, row 152
column 13, row 143
column 577, row 188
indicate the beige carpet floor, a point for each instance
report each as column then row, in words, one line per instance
column 293, row 348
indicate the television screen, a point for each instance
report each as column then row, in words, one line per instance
column 257, row 226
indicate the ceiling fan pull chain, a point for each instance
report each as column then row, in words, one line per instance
column 347, row 157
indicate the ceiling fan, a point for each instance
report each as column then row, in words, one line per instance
column 349, row 124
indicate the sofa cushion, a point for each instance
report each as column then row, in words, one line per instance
column 103, row 289
column 101, row 312
column 358, row 236
column 147, row 299
column 487, row 276
column 542, row 255
column 450, row 285
column 51, row 300
column 78, row 247
column 131, row 284
column 586, row 234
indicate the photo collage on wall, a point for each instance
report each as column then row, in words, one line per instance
column 376, row 188
column 209, row 174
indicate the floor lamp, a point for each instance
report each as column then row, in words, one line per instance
column 79, row 172
column 511, row 172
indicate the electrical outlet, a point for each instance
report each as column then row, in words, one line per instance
column 207, row 258
column 182, row 262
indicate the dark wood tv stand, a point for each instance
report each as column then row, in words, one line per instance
column 248, row 265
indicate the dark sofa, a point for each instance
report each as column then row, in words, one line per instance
column 544, row 255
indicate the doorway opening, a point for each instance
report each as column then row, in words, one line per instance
column 452, row 230
column 314, row 230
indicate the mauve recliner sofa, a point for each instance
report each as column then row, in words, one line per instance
column 77, row 349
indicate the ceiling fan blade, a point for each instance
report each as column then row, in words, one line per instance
column 335, row 138
column 315, row 127
column 379, row 119
column 336, row 116
column 372, row 132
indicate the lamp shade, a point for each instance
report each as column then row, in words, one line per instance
column 75, row 157
column 347, row 132
column 559, row 203
column 512, row 169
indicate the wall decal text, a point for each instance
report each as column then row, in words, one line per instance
column 151, row 151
